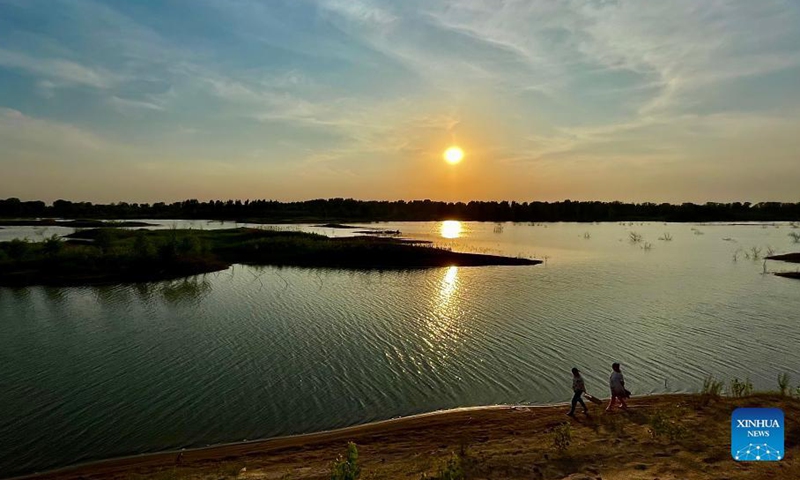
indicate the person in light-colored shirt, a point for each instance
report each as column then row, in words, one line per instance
column 578, row 389
column 617, row 384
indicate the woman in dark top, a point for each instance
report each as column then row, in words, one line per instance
column 578, row 389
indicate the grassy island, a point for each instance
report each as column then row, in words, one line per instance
column 51, row 222
column 112, row 255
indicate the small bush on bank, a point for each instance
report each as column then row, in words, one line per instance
column 562, row 437
column 741, row 389
column 346, row 468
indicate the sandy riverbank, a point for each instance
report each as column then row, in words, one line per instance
column 493, row 442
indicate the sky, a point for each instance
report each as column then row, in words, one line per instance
column 147, row 101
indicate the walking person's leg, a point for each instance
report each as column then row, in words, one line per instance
column 611, row 402
column 622, row 403
column 583, row 404
column 575, row 399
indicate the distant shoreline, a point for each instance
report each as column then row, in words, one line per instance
column 343, row 210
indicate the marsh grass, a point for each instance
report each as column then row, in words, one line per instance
column 783, row 383
column 666, row 237
column 741, row 388
column 712, row 390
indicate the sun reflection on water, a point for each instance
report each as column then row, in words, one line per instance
column 443, row 322
column 448, row 283
column 450, row 229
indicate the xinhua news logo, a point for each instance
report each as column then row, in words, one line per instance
column 757, row 434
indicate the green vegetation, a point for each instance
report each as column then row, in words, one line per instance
column 452, row 470
column 712, row 389
column 110, row 255
column 783, row 383
column 346, row 468
column 562, row 437
column 661, row 425
column 741, row 389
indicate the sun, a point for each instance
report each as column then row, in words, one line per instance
column 453, row 155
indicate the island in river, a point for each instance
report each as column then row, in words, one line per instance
column 113, row 255
column 788, row 258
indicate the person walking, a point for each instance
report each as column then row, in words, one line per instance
column 618, row 391
column 578, row 389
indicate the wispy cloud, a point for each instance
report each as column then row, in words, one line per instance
column 359, row 85
column 20, row 131
column 58, row 70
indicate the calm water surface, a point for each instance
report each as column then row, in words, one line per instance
column 256, row 352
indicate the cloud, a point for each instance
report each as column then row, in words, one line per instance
column 61, row 71
column 365, row 12
column 124, row 104
column 338, row 85
column 22, row 132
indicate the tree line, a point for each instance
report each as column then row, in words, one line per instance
column 342, row 209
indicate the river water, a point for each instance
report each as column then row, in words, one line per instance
column 254, row 352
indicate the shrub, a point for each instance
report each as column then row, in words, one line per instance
column 143, row 247
column 711, row 387
column 103, row 239
column 783, row 383
column 562, row 436
column 190, row 245
column 661, row 426
column 52, row 246
column 795, row 236
column 741, row 389
column 452, row 470
column 346, row 468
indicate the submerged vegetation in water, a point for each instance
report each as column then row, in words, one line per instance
column 110, row 255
